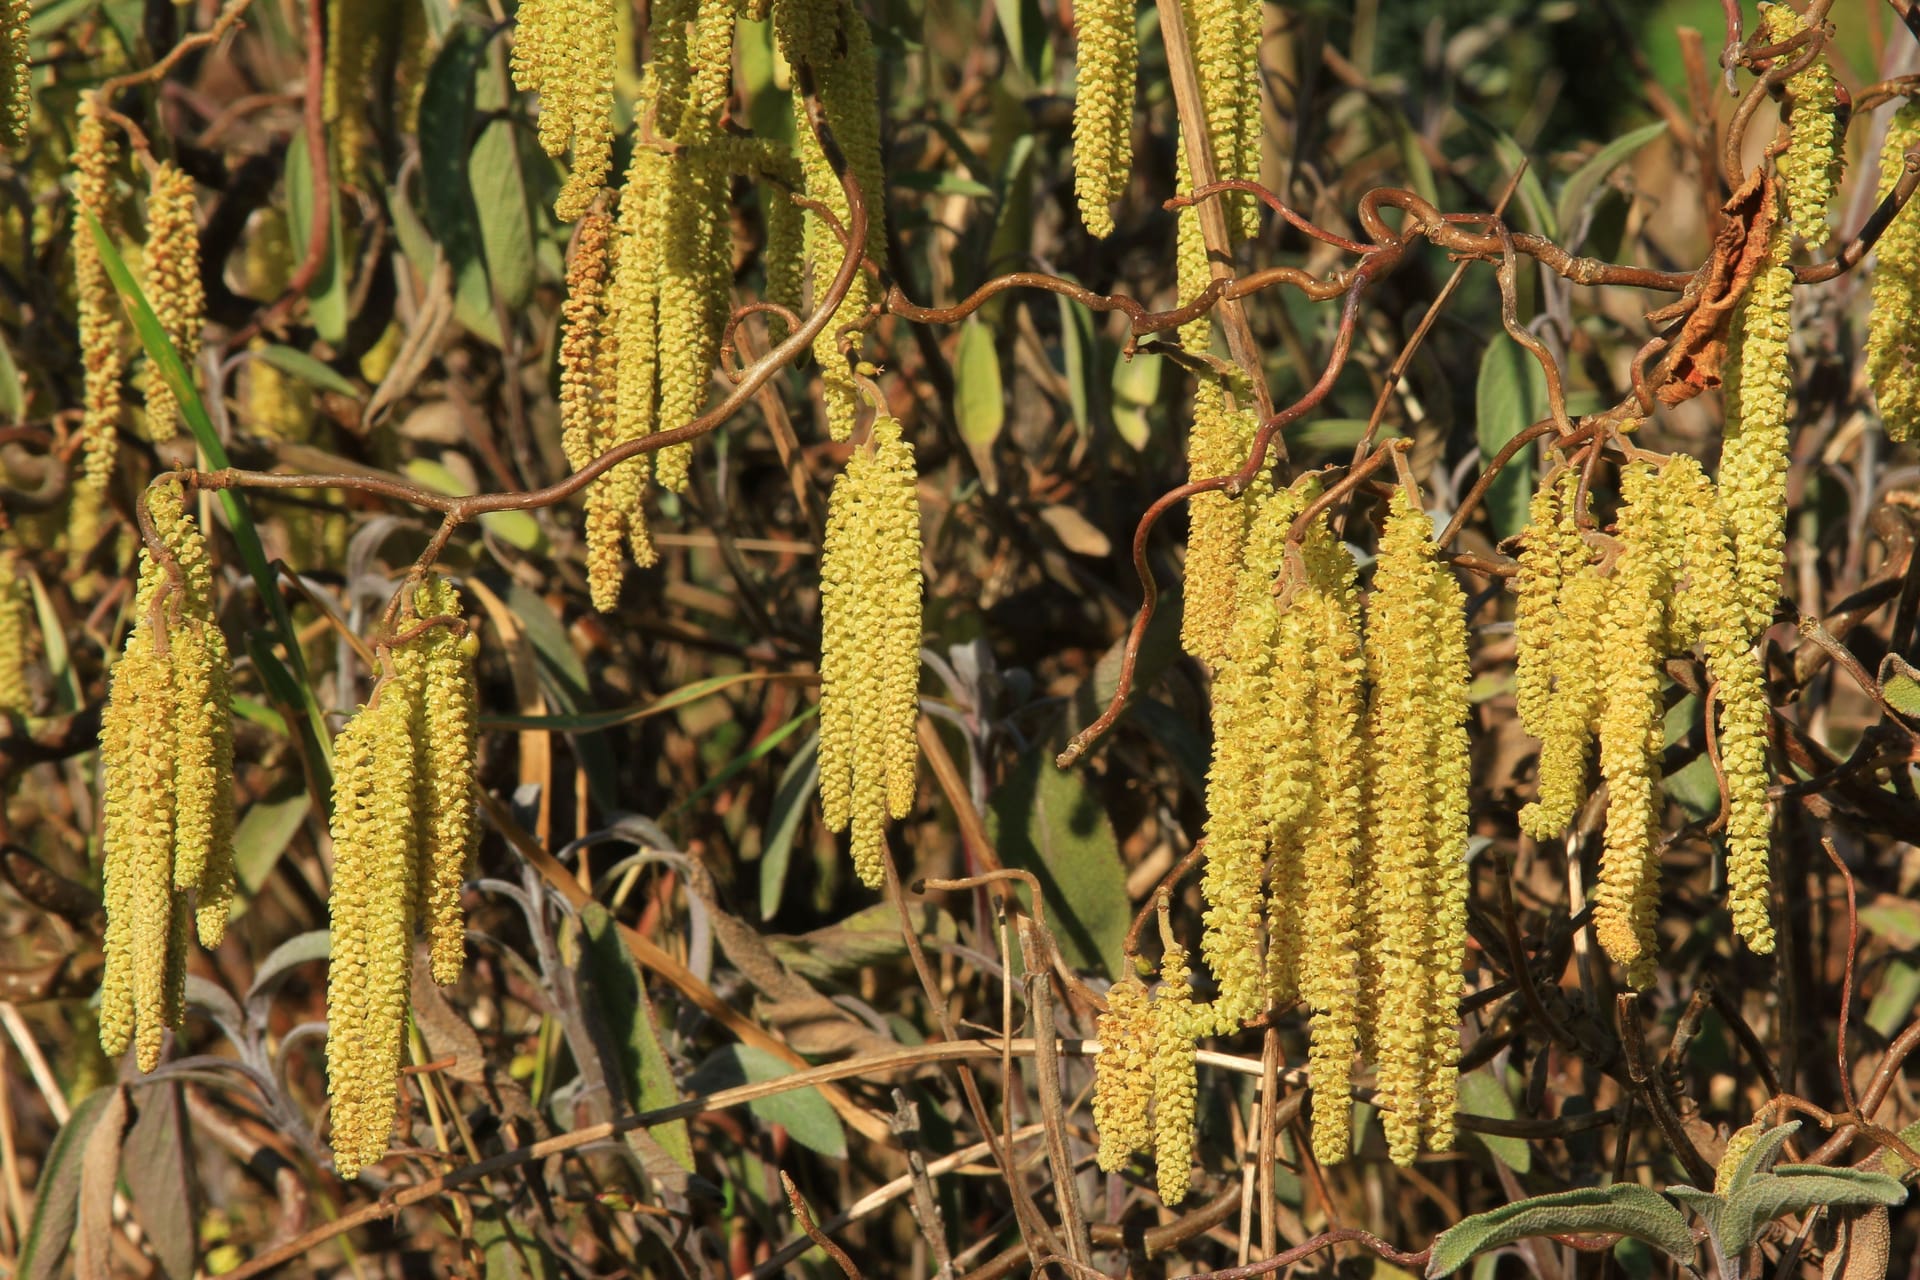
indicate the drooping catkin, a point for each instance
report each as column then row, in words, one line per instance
column 1416, row 657
column 1123, row 1074
column 1217, row 525
column 1753, row 452
column 1739, row 690
column 1893, row 325
column 173, row 287
column 870, row 646
column 1630, row 728
column 710, row 61
column 1810, row 166
column 1175, row 1084
column 16, row 72
column 1257, row 782
column 375, row 840
column 439, row 661
column 1555, row 622
column 1225, row 38
column 94, row 156
column 695, row 271
column 354, row 29
column 564, row 50
column 1103, row 87
column 1325, row 611
column 585, row 397
column 15, row 610
column 828, row 42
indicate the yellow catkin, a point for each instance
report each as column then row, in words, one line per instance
column 870, row 646
column 279, row 406
column 370, row 909
column 172, row 287
column 828, row 41
column 15, row 609
column 564, row 50
column 1740, row 694
column 1739, row 1143
column 1123, row 1074
column 1630, row 728
column 1103, row 87
column 1325, row 610
column 1893, row 325
column 1810, row 166
column 785, row 256
column 354, row 31
column 1225, row 37
column 444, row 815
column 16, row 72
column 1416, row 657
column 1753, row 454
column 1556, row 621
column 710, row 63
column 670, row 68
column 1175, row 1084
column 695, row 271
column 136, row 765
column 94, row 156
column 1217, row 525
column 1257, row 781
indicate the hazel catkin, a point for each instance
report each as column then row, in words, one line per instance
column 173, row 287
column 1103, row 88
column 1123, row 1074
column 1175, row 1085
column 1555, row 621
column 444, row 816
column 1416, row 657
column 1893, row 324
column 16, row 71
column 94, row 156
column 1753, row 452
column 870, row 646
column 1810, row 166
column 15, row 610
column 564, row 50
column 370, row 910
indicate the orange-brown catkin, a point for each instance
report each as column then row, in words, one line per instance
column 172, row 287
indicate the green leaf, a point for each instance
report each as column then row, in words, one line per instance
column 1894, row 1001
column 1901, row 685
column 156, row 1165
column 300, row 365
column 1625, row 1208
column 741, row 762
column 510, row 1250
column 1336, row 434
column 1533, row 197
column 585, row 721
column 1026, row 34
column 1136, row 389
column 515, row 528
column 1695, row 787
column 980, row 399
column 802, row 1112
column 621, row 997
column 453, row 220
column 1077, row 348
column 263, row 834
column 1764, row 1151
column 1578, row 194
column 499, row 187
column 1482, row 1094
column 1045, row 819
column 1511, row 396
column 56, row 1200
column 1796, row 1188
column 791, row 801
column 327, row 293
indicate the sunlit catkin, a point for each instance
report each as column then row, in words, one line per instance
column 1893, row 325
column 16, row 72
column 1123, row 1074
column 695, row 271
column 1225, row 38
column 94, row 155
column 1258, row 780
column 564, row 51
column 1739, row 694
column 1324, row 611
column 1555, row 621
column 1103, row 86
column 585, row 399
column 1753, row 453
column 1416, row 657
column 444, row 818
column 371, row 914
column 15, row 610
column 828, row 44
column 173, row 287
column 1810, row 165
column 1630, row 728
column 1175, row 1084
column 870, row 646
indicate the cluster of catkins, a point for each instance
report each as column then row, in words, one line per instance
column 171, row 264
column 1337, row 828
column 166, row 760
column 404, row 831
column 649, row 287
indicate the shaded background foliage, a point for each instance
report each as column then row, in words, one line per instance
column 653, row 829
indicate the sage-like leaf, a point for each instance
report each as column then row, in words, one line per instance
column 1625, row 1208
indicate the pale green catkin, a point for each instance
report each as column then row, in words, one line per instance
column 1893, row 325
